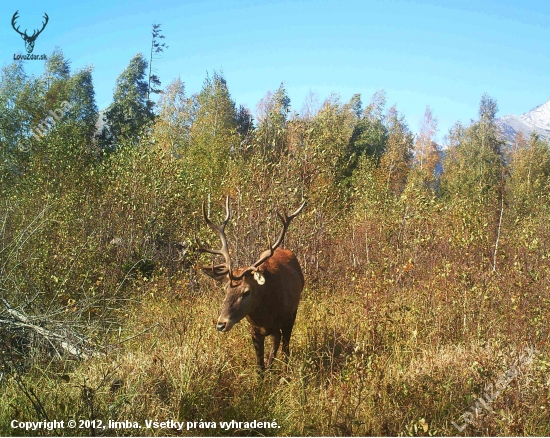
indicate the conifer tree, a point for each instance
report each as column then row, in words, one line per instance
column 156, row 48
column 131, row 110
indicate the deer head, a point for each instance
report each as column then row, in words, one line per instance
column 29, row 40
column 244, row 287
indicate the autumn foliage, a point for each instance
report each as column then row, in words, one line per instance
column 427, row 268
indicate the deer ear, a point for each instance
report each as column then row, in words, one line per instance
column 259, row 277
column 218, row 272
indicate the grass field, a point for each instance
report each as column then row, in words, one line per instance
column 367, row 358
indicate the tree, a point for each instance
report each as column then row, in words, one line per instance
column 486, row 130
column 396, row 160
column 245, row 126
column 272, row 115
column 473, row 167
column 14, row 121
column 530, row 175
column 310, row 108
column 213, row 134
column 69, row 101
column 327, row 157
column 175, row 116
column 156, row 48
column 215, row 113
column 356, row 106
column 426, row 153
column 17, row 107
column 370, row 134
column 56, row 68
column 472, row 183
column 131, row 110
column 83, row 111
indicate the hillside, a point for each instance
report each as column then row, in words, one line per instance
column 537, row 120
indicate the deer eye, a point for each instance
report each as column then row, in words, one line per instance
column 246, row 293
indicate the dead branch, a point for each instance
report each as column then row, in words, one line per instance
column 20, row 320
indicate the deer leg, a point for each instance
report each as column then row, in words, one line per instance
column 258, row 341
column 276, row 341
column 287, row 331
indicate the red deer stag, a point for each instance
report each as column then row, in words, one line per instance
column 267, row 292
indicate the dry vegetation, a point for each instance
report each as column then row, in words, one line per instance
column 421, row 289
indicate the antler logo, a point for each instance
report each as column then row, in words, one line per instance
column 29, row 40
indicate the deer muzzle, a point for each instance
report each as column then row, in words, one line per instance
column 224, row 325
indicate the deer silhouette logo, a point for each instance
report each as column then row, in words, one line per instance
column 29, row 39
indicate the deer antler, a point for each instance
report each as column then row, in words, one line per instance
column 36, row 33
column 223, row 251
column 24, row 34
column 13, row 19
column 268, row 253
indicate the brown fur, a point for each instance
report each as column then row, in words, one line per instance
column 270, row 308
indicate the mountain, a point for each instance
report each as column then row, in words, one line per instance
column 537, row 120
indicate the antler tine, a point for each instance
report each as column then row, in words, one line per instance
column 13, row 20
column 297, row 212
column 35, row 32
column 224, row 250
column 45, row 22
column 38, row 32
column 227, row 212
column 286, row 222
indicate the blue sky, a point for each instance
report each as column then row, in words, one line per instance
column 444, row 54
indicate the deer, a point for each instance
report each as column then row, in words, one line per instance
column 29, row 40
column 266, row 293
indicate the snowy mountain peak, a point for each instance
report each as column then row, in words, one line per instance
column 537, row 120
column 539, row 116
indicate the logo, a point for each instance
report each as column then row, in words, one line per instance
column 29, row 39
